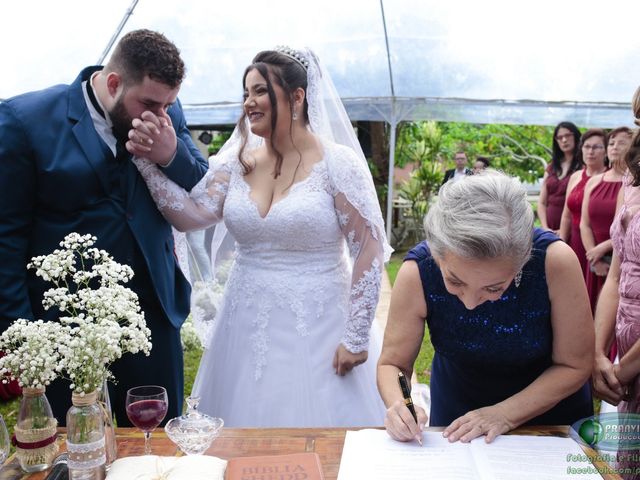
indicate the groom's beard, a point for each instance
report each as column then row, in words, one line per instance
column 121, row 121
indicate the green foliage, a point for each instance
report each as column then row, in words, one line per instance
column 421, row 144
column 394, row 265
column 191, row 363
column 219, row 138
column 519, row 150
column 418, row 142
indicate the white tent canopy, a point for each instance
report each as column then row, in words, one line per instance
column 495, row 61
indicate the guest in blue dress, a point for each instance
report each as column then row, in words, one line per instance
column 508, row 314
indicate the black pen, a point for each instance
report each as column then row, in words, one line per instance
column 406, row 394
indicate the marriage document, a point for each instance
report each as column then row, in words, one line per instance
column 373, row 455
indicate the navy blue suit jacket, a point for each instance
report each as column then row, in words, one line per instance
column 54, row 180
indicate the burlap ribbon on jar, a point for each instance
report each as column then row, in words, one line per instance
column 35, row 446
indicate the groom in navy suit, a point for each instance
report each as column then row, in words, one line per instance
column 64, row 167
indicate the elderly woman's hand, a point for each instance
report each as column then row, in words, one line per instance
column 489, row 421
column 400, row 423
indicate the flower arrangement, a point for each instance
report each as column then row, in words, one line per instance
column 99, row 320
column 33, row 358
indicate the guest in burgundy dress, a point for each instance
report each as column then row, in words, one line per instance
column 592, row 145
column 565, row 160
column 598, row 210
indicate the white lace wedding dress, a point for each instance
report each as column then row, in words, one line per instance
column 292, row 294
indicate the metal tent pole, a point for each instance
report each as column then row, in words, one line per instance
column 392, row 154
column 115, row 35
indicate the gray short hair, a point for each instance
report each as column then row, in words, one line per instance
column 482, row 216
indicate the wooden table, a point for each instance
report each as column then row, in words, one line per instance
column 234, row 442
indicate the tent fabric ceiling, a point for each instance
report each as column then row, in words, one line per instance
column 483, row 62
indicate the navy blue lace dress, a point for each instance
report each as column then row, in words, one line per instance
column 485, row 355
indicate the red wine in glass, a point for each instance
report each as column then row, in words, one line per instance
column 147, row 414
column 146, row 408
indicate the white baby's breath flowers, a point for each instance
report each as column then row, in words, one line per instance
column 32, row 357
column 100, row 319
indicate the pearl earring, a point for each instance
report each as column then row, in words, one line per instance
column 295, row 116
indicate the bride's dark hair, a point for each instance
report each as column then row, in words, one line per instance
column 290, row 75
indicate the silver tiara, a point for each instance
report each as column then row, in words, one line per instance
column 294, row 55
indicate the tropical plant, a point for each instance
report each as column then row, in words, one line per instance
column 420, row 144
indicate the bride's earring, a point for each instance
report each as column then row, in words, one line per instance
column 295, row 116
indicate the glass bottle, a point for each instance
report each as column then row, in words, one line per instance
column 85, row 438
column 35, row 431
column 111, row 447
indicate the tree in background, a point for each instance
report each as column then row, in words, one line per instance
column 519, row 150
column 420, row 144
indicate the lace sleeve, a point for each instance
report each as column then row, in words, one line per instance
column 367, row 254
column 188, row 211
column 360, row 219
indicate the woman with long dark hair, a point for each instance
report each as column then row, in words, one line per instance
column 565, row 160
column 290, row 344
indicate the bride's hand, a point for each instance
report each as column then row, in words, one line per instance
column 344, row 360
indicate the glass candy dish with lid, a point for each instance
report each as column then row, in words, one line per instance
column 193, row 432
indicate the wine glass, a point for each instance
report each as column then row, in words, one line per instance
column 146, row 408
column 4, row 441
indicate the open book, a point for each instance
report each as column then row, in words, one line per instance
column 373, row 455
column 152, row 467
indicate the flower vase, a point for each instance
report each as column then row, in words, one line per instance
column 111, row 447
column 85, row 438
column 35, row 432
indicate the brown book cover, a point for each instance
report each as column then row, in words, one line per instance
column 294, row 466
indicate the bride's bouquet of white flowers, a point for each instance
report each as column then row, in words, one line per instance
column 99, row 321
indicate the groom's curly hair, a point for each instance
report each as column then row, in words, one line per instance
column 142, row 53
column 289, row 75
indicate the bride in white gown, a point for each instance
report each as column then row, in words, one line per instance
column 291, row 344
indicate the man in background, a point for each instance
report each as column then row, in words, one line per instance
column 461, row 169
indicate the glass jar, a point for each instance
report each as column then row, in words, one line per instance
column 111, row 447
column 35, row 432
column 193, row 432
column 85, row 438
